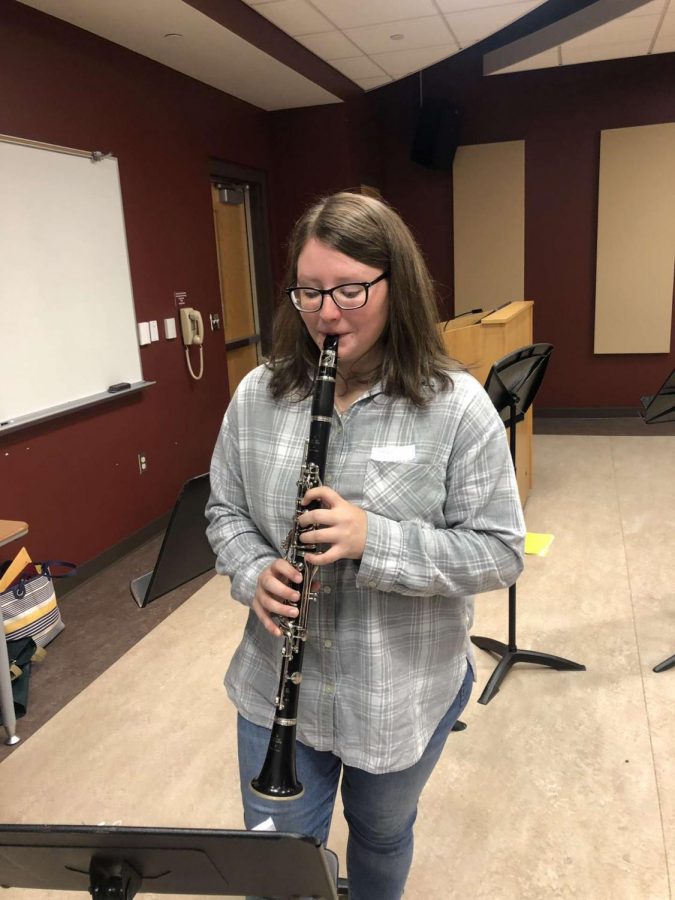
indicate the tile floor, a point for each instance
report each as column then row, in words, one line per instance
column 563, row 786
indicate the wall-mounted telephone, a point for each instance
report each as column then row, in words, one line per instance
column 192, row 328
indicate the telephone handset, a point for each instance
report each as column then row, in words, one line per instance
column 192, row 326
column 193, row 336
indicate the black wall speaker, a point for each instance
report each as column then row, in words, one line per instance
column 437, row 135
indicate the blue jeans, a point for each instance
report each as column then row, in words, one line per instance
column 380, row 810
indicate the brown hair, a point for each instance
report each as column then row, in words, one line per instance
column 415, row 363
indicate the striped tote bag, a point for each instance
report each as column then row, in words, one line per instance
column 29, row 606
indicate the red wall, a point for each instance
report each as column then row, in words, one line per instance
column 318, row 151
column 76, row 479
column 560, row 114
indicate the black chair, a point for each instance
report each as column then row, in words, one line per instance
column 512, row 384
column 656, row 409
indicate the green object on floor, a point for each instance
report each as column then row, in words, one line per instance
column 21, row 655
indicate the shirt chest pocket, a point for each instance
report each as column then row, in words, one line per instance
column 404, row 491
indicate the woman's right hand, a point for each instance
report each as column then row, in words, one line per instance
column 276, row 586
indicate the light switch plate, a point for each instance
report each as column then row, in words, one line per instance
column 143, row 333
column 169, row 328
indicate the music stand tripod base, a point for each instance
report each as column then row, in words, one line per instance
column 512, row 384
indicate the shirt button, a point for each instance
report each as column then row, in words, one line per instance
column 327, row 589
column 372, row 584
column 328, row 689
column 328, row 644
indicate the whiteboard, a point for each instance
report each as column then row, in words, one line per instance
column 67, row 315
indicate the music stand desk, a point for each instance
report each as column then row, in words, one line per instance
column 114, row 863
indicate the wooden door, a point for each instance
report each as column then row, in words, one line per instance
column 237, row 286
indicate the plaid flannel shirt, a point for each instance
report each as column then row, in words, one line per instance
column 388, row 640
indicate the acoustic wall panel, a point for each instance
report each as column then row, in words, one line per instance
column 489, row 225
column 636, row 240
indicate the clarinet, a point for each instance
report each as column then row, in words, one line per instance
column 278, row 779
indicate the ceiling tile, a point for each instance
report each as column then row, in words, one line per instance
column 668, row 25
column 586, row 53
column 618, row 31
column 474, row 24
column 664, row 44
column 415, row 34
column 329, row 45
column 407, row 61
column 368, row 84
column 357, row 67
column 655, row 8
column 294, row 16
column 354, row 13
column 452, row 6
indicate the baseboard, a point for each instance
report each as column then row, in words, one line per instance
column 113, row 554
column 615, row 412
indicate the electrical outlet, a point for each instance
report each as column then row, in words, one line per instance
column 142, row 463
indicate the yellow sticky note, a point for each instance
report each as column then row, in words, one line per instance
column 538, row 544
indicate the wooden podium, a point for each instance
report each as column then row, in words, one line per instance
column 478, row 340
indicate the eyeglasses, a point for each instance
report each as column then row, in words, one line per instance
column 345, row 296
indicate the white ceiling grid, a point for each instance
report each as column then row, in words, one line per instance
column 379, row 41
column 371, row 42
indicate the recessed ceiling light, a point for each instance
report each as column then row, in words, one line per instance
column 396, row 37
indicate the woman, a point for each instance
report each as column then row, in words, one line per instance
column 419, row 511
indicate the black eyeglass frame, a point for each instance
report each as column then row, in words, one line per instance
column 364, row 284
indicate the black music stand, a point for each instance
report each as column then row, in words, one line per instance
column 656, row 409
column 118, row 863
column 512, row 384
column 185, row 552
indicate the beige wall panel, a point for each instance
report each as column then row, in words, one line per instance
column 489, row 224
column 636, row 240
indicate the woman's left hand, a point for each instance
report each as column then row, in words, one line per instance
column 342, row 525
